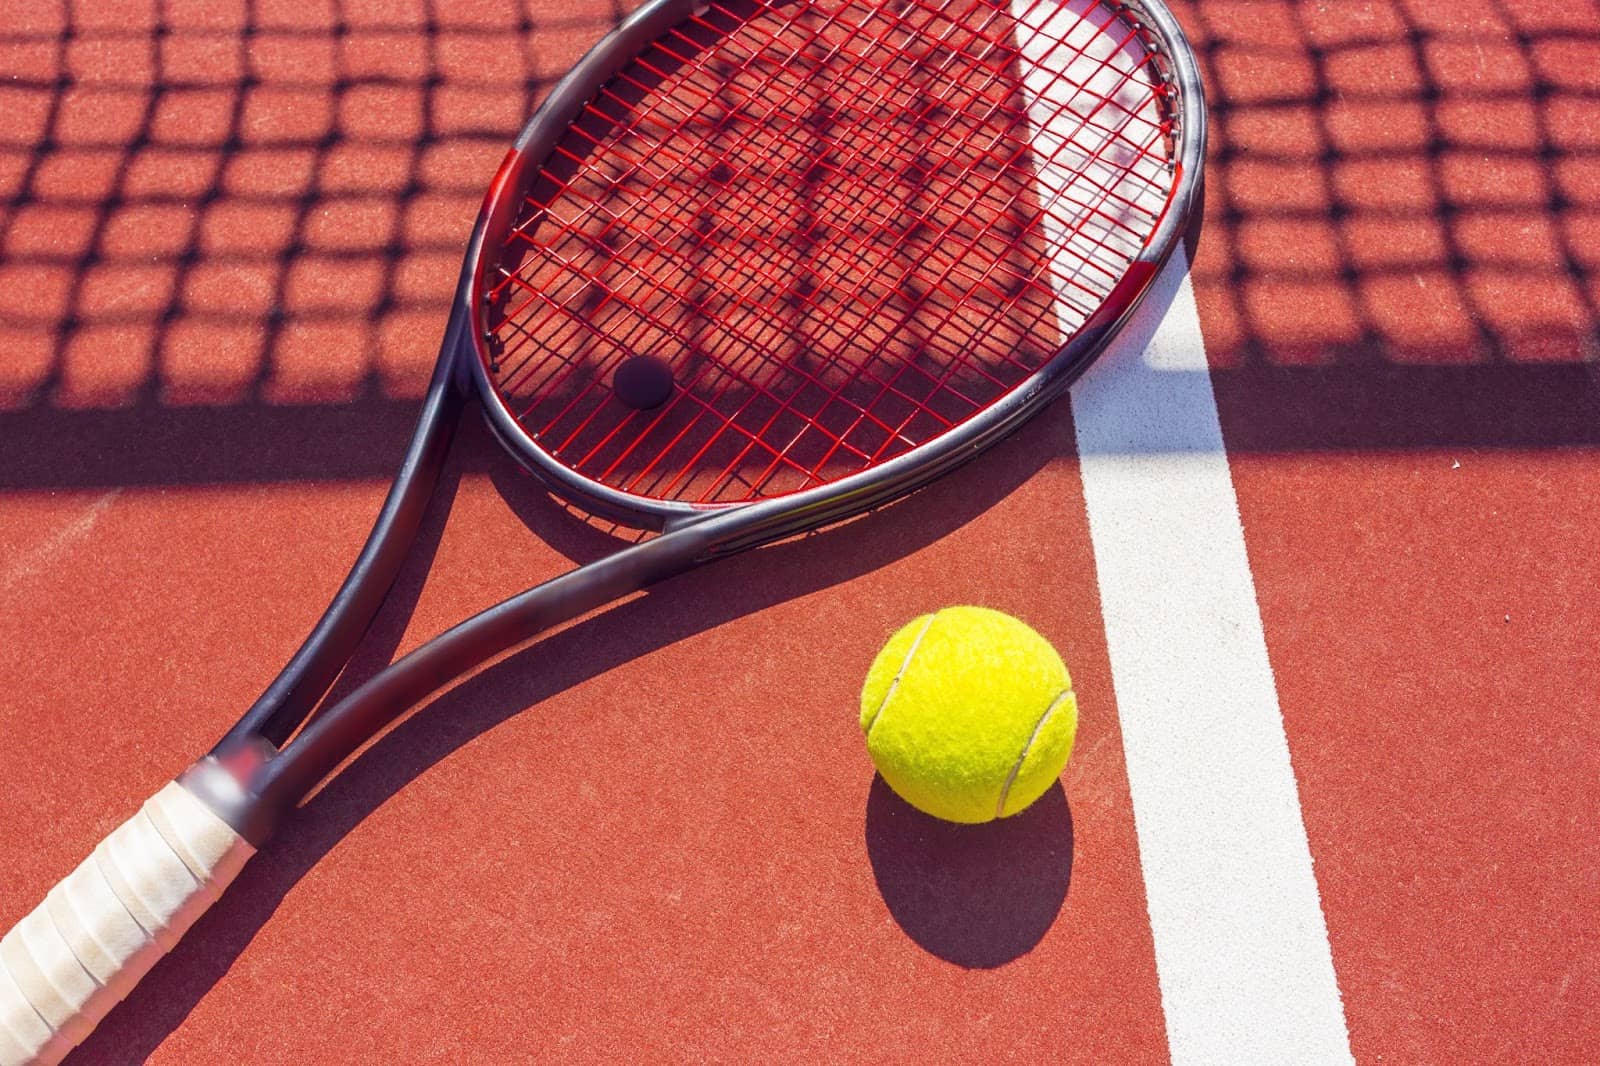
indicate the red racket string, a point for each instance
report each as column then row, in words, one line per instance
column 841, row 439
column 867, row 413
column 678, row 162
column 1141, row 146
column 610, row 270
column 879, row 455
column 642, row 164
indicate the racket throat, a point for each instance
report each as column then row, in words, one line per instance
column 231, row 781
column 336, row 733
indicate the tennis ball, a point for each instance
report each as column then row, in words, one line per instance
column 969, row 714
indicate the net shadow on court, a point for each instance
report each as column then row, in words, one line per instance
column 228, row 238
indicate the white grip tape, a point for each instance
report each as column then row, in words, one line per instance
column 102, row 928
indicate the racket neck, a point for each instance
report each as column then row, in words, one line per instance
column 337, row 733
column 289, row 700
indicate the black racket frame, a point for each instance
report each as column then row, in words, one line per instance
column 261, row 768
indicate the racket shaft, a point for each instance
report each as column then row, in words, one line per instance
column 305, row 680
column 336, row 734
column 109, row 921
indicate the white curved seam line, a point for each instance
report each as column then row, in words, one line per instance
column 1016, row 768
column 904, row 664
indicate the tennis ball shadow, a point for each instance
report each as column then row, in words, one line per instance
column 975, row 895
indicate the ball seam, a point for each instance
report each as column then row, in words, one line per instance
column 1016, row 768
column 905, row 664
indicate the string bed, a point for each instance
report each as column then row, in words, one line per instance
column 845, row 227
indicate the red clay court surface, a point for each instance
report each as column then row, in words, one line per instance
column 228, row 236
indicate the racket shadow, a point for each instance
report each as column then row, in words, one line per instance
column 671, row 612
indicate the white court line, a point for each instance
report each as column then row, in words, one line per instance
column 1241, row 946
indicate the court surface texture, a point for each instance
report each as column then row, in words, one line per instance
column 1317, row 539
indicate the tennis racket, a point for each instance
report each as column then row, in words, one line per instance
column 752, row 268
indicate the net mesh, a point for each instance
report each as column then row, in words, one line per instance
column 846, row 228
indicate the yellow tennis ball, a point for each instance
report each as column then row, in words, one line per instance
column 969, row 714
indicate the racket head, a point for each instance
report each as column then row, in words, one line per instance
column 866, row 240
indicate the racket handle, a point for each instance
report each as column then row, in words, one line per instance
column 102, row 928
